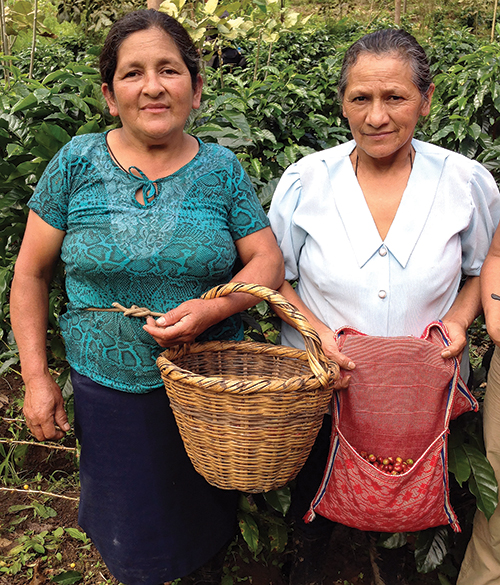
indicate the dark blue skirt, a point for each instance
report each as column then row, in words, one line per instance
column 151, row 516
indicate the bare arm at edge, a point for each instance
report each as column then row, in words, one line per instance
column 490, row 284
column 29, row 301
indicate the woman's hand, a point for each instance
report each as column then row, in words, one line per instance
column 332, row 352
column 182, row 324
column 458, row 337
column 465, row 308
column 44, row 409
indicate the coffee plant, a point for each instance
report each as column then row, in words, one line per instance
column 279, row 107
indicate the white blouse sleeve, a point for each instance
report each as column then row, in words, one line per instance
column 289, row 236
column 477, row 237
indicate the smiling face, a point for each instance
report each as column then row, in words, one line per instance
column 152, row 93
column 383, row 105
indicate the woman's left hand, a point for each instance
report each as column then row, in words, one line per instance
column 182, row 324
column 458, row 336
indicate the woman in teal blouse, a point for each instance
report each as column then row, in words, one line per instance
column 148, row 215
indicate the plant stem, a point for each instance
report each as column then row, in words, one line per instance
column 5, row 46
column 494, row 20
column 257, row 55
column 48, row 445
column 5, row 489
column 32, row 57
column 397, row 13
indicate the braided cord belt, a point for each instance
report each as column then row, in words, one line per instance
column 133, row 311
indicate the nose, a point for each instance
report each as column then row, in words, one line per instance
column 377, row 114
column 152, row 85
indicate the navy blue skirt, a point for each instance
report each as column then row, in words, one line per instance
column 151, row 516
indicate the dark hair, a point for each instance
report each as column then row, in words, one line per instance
column 385, row 42
column 143, row 20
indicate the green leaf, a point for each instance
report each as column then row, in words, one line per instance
column 458, row 464
column 41, row 94
column 24, row 103
column 52, row 136
column 67, row 578
column 482, row 482
column 75, row 533
column 57, row 347
column 58, row 532
column 246, row 504
column 238, row 120
column 249, row 531
column 19, row 507
column 267, row 192
column 395, row 540
column 55, row 76
column 431, row 548
column 280, row 499
column 44, row 511
column 278, row 537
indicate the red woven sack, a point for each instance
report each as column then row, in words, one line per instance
column 400, row 400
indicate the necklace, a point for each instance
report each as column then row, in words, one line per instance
column 357, row 162
column 113, row 155
column 149, row 188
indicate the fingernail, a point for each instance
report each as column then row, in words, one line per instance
column 160, row 321
column 351, row 366
column 66, row 427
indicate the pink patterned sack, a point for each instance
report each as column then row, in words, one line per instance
column 400, row 400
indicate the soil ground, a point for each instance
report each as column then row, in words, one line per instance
column 45, row 469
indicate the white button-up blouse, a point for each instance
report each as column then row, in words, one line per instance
column 348, row 275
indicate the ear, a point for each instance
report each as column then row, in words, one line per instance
column 110, row 99
column 343, row 109
column 197, row 93
column 426, row 105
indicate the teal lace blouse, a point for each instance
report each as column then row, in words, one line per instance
column 172, row 249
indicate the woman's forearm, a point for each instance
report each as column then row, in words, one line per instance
column 459, row 318
column 29, row 300
column 29, row 316
column 467, row 305
column 490, row 285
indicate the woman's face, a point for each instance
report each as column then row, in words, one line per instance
column 152, row 88
column 382, row 104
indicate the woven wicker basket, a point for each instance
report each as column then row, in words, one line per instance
column 249, row 412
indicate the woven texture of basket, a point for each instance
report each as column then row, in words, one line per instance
column 248, row 412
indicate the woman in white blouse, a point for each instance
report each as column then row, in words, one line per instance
column 379, row 232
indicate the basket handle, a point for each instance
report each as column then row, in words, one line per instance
column 320, row 365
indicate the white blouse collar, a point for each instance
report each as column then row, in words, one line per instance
column 410, row 218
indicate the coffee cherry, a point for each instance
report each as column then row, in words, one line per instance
column 390, row 465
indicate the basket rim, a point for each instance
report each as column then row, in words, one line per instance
column 171, row 372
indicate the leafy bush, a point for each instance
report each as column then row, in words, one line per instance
column 37, row 118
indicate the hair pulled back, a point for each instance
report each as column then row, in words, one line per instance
column 139, row 20
column 389, row 42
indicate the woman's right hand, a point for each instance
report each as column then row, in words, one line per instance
column 332, row 352
column 44, row 409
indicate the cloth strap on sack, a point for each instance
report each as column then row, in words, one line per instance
column 401, row 398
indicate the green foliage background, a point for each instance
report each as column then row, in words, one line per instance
column 271, row 113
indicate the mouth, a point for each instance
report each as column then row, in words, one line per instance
column 378, row 135
column 154, row 108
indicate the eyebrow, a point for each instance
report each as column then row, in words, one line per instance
column 135, row 63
